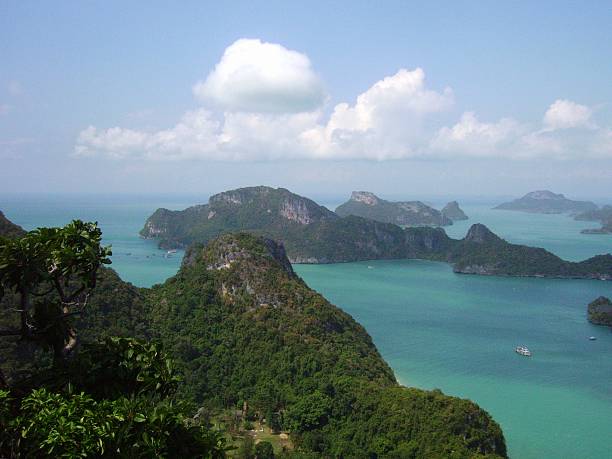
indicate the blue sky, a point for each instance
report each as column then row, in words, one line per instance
column 455, row 98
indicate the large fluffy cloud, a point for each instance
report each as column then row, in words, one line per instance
column 254, row 76
column 564, row 114
column 471, row 137
column 273, row 107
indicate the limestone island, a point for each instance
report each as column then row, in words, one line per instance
column 547, row 202
column 600, row 311
column 453, row 211
column 406, row 213
column 311, row 233
column 603, row 215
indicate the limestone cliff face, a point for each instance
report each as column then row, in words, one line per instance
column 369, row 199
column 296, row 210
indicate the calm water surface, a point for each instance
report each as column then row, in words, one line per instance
column 437, row 329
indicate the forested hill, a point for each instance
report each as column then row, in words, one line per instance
column 246, row 327
column 243, row 327
column 313, row 234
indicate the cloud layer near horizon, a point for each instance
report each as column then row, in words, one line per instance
column 265, row 102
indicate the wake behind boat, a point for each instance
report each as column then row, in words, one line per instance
column 522, row 350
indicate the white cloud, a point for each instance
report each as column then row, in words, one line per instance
column 195, row 136
column 388, row 121
column 273, row 109
column 564, row 114
column 471, row 137
column 255, row 76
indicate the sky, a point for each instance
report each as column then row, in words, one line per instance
column 405, row 99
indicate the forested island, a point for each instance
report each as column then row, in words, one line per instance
column 547, row 202
column 313, row 234
column 97, row 367
column 599, row 311
column 603, row 215
column 405, row 213
column 454, row 212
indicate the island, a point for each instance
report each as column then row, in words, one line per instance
column 599, row 311
column 603, row 215
column 606, row 228
column 547, row 202
column 312, row 234
column 453, row 211
column 405, row 213
column 256, row 346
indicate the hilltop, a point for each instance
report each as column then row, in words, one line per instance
column 547, row 202
column 405, row 213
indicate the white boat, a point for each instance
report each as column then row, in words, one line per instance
column 592, row 338
column 523, row 351
column 171, row 251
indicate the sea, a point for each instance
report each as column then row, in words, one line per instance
column 436, row 329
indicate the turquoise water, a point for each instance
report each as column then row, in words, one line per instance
column 455, row 332
column 559, row 234
column 436, row 329
column 121, row 218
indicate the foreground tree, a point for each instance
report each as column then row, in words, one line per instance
column 51, row 272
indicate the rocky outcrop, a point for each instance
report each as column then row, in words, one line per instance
column 599, row 312
column 369, row 199
column 480, row 234
column 547, row 202
column 453, row 211
column 405, row 213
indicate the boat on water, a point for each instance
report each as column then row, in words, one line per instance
column 171, row 251
column 592, row 338
column 522, row 350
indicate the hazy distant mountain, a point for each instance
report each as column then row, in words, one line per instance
column 408, row 213
column 453, row 211
column 547, row 202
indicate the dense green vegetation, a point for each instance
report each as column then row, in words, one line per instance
column 246, row 328
column 412, row 213
column 312, row 234
column 245, row 332
column 599, row 311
